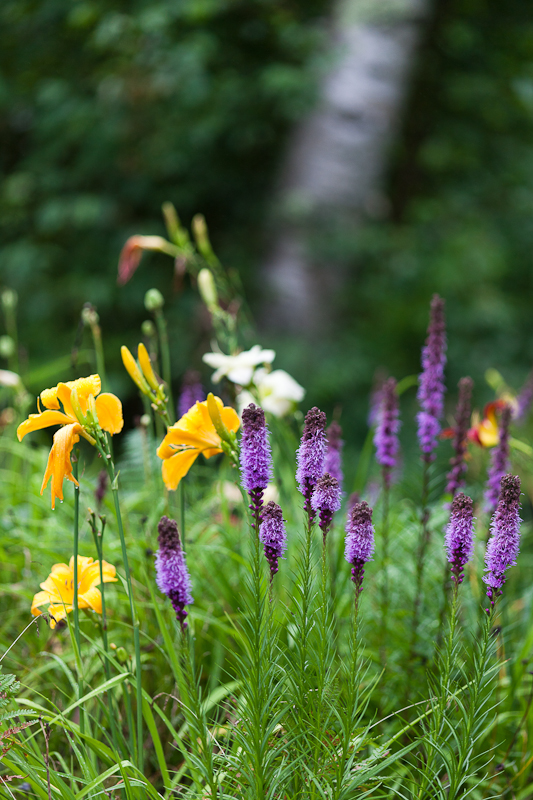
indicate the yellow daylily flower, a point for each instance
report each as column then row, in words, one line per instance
column 84, row 408
column 193, row 434
column 58, row 589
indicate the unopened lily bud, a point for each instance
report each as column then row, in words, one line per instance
column 207, row 288
column 214, row 412
column 146, row 366
column 153, row 300
column 122, row 655
column 89, row 315
column 7, row 346
column 171, row 220
column 9, row 299
column 133, row 370
column 199, row 228
column 148, row 328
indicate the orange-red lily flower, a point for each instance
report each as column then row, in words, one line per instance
column 84, row 410
column 131, row 254
column 484, row 432
column 58, row 589
column 193, row 434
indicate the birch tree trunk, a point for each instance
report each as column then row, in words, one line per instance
column 336, row 160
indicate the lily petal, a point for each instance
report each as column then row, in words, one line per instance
column 37, row 422
column 59, row 467
column 109, row 412
column 177, row 466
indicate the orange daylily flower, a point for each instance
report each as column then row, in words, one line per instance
column 83, row 408
column 58, row 589
column 131, row 254
column 484, row 432
column 193, row 434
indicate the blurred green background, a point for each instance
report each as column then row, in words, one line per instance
column 108, row 108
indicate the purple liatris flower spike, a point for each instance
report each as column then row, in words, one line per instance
column 311, row 455
column 333, row 463
column 171, row 569
column 272, row 535
column 460, row 535
column 191, row 392
column 524, row 399
column 431, row 381
column 456, row 475
column 326, row 500
column 256, row 460
column 504, row 542
column 359, row 541
column 499, row 462
column 386, row 433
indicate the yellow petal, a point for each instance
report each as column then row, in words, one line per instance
column 146, row 366
column 49, row 398
column 91, row 575
column 91, row 599
column 39, row 599
column 57, row 613
column 133, row 370
column 59, row 466
column 230, row 418
column 109, row 412
column 37, row 422
column 86, row 386
column 176, row 467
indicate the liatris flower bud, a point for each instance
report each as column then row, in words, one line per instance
column 386, row 434
column 460, row 535
column 256, row 460
column 524, row 399
column 172, row 575
column 311, row 455
column 359, row 542
column 457, row 473
column 499, row 462
column 326, row 500
column 333, row 463
column 191, row 392
column 504, row 543
column 272, row 535
column 431, row 381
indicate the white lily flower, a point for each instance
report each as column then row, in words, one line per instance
column 8, row 378
column 278, row 391
column 239, row 368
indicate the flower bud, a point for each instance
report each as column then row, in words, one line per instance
column 9, row 299
column 148, row 328
column 89, row 315
column 153, row 300
column 207, row 288
column 146, row 366
column 7, row 346
column 214, row 412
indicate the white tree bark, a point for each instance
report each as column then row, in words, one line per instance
column 337, row 157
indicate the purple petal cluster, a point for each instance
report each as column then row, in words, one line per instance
column 192, row 392
column 460, row 535
column 456, row 475
column 376, row 396
column 431, row 381
column 255, row 455
column 504, row 542
column 326, row 500
column 333, row 463
column 272, row 535
column 359, row 545
column 386, row 434
column 524, row 399
column 172, row 576
column 499, row 462
column 311, row 455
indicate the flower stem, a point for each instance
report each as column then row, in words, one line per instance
column 420, row 561
column 385, row 601
column 75, row 604
column 165, row 359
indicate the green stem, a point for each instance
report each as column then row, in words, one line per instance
column 165, row 360
column 385, row 602
column 75, row 604
column 420, row 561
column 99, row 353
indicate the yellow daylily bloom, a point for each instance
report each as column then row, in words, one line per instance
column 193, row 434
column 58, row 589
column 83, row 409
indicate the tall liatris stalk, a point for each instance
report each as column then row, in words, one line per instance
column 255, row 458
column 456, row 475
column 172, row 575
column 326, row 500
column 502, row 551
column 499, row 462
column 359, row 545
column 387, row 446
column 459, row 542
column 431, row 399
column 311, row 456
